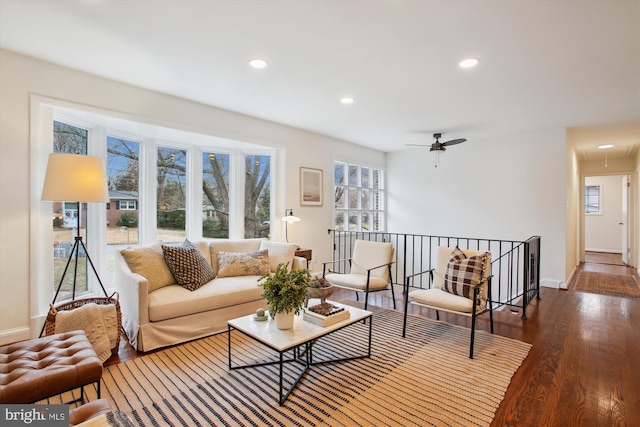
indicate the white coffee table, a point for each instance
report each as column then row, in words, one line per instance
column 299, row 339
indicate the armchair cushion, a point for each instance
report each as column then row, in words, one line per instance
column 356, row 281
column 187, row 264
column 464, row 273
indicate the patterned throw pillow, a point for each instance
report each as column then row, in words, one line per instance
column 243, row 263
column 463, row 274
column 190, row 269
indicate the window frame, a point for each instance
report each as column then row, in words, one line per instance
column 353, row 185
column 598, row 196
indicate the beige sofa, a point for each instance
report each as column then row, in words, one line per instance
column 157, row 312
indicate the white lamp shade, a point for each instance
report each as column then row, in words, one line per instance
column 75, row 177
column 290, row 219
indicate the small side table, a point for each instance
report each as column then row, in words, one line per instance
column 304, row 253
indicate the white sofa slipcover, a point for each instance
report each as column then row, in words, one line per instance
column 173, row 314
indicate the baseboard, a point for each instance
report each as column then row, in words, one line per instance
column 553, row 283
column 14, row 335
column 604, row 251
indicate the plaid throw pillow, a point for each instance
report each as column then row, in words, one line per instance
column 190, row 269
column 463, row 274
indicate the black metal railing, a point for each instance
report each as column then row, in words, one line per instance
column 515, row 265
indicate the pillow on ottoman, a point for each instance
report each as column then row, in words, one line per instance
column 232, row 264
column 148, row 261
column 463, row 274
column 189, row 267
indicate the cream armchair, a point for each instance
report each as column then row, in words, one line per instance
column 370, row 270
column 441, row 297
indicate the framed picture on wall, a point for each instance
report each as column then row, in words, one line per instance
column 310, row 187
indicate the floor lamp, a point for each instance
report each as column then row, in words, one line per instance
column 75, row 177
column 289, row 218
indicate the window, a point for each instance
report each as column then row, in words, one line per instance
column 127, row 205
column 592, row 199
column 164, row 184
column 171, row 194
column 257, row 196
column 215, row 197
column 358, row 197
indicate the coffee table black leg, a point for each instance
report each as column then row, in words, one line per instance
column 281, row 400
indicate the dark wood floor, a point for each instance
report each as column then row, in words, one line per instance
column 583, row 368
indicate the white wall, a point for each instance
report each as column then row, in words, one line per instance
column 509, row 188
column 21, row 310
column 602, row 231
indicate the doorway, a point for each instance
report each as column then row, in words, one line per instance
column 606, row 219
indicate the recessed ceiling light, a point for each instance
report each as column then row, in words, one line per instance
column 468, row 63
column 605, row 146
column 258, row 63
column 347, row 100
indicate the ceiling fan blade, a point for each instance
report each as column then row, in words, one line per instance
column 453, row 142
column 419, row 145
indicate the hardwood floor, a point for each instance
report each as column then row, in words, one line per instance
column 583, row 368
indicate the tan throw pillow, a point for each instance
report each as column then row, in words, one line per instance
column 231, row 264
column 189, row 267
column 149, row 262
column 279, row 253
column 463, row 274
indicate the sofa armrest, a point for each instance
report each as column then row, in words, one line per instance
column 134, row 298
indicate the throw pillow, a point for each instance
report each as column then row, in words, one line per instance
column 148, row 261
column 189, row 267
column 279, row 253
column 463, row 273
column 243, row 264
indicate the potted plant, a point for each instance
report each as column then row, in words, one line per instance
column 285, row 291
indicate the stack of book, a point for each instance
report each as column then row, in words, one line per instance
column 325, row 314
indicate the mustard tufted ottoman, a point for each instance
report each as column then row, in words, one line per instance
column 36, row 369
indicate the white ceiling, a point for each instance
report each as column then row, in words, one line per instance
column 544, row 64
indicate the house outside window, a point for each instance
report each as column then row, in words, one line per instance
column 592, row 199
column 358, row 197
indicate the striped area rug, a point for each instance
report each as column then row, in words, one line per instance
column 425, row 379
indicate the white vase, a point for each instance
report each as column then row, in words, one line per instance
column 285, row 320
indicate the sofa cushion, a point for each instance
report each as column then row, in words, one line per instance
column 463, row 273
column 243, row 264
column 225, row 245
column 279, row 253
column 189, row 267
column 175, row 301
column 148, row 261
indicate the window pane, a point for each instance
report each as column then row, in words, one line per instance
column 353, row 221
column 123, row 158
column 592, row 199
column 215, row 198
column 340, row 197
column 338, row 173
column 378, row 179
column 364, row 180
column 354, row 198
column 378, row 221
column 171, row 194
column 72, row 140
column 257, row 196
column 365, row 199
column 366, row 223
column 353, row 175
column 338, row 220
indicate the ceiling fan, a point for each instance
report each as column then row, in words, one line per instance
column 439, row 146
